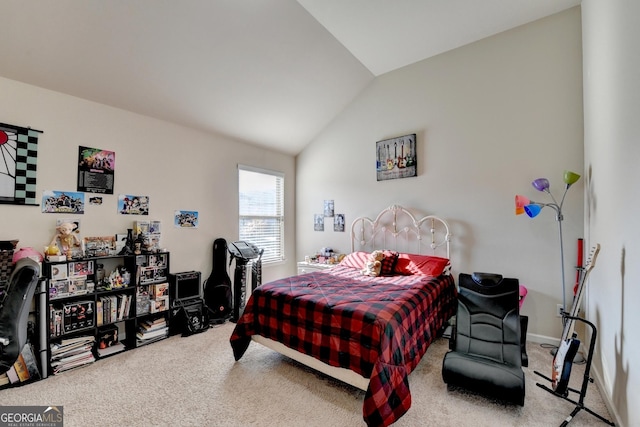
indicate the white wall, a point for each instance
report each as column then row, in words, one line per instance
column 489, row 117
column 177, row 167
column 612, row 150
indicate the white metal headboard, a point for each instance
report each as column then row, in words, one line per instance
column 398, row 229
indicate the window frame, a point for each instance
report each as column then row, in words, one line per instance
column 268, row 257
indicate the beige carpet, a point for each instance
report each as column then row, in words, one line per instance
column 194, row 381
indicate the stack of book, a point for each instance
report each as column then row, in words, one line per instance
column 152, row 330
column 72, row 353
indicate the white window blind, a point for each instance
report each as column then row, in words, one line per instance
column 261, row 210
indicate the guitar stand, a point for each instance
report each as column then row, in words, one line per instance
column 585, row 382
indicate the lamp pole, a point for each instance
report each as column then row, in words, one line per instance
column 559, row 218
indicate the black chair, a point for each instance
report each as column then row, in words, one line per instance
column 486, row 353
column 14, row 310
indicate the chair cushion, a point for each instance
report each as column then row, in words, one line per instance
column 500, row 380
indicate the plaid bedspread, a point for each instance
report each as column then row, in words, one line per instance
column 379, row 327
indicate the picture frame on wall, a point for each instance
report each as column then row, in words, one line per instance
column 396, row 158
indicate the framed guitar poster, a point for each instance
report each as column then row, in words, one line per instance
column 396, row 158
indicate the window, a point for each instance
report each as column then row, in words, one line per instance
column 261, row 210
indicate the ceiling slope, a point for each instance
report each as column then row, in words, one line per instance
column 272, row 73
column 264, row 72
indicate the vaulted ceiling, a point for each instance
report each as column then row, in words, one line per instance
column 268, row 72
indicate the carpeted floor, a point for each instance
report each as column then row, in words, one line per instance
column 194, row 381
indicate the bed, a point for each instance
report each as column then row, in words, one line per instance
column 370, row 332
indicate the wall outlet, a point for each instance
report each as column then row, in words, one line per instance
column 559, row 310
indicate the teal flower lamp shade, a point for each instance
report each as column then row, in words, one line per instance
column 521, row 202
column 570, row 177
column 541, row 184
column 532, row 210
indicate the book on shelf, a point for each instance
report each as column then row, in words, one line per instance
column 64, row 343
column 71, row 358
column 71, row 346
column 71, row 352
column 112, row 349
column 141, row 342
column 151, row 325
column 152, row 330
column 127, row 308
column 122, row 306
column 61, row 367
column 99, row 312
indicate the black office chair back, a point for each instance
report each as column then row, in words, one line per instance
column 14, row 310
column 487, row 321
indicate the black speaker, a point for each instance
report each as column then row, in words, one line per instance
column 185, row 287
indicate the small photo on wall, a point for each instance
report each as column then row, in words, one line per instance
column 133, row 205
column 328, row 207
column 70, row 202
column 186, row 219
column 338, row 222
column 318, row 222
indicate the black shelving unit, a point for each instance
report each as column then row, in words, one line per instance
column 146, row 273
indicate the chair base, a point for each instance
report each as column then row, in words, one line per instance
column 502, row 381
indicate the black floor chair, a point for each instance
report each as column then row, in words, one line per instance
column 14, row 310
column 486, row 353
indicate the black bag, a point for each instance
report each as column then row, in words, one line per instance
column 193, row 318
column 217, row 288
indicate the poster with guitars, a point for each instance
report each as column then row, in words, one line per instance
column 396, row 158
column 569, row 343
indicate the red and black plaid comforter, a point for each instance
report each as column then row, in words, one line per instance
column 379, row 327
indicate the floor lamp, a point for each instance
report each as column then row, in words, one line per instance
column 532, row 209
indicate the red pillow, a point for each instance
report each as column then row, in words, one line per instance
column 425, row 265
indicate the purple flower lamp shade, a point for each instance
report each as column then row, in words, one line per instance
column 541, row 184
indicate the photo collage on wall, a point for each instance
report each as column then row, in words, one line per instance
column 329, row 212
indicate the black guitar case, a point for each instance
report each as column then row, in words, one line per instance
column 14, row 310
column 217, row 288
